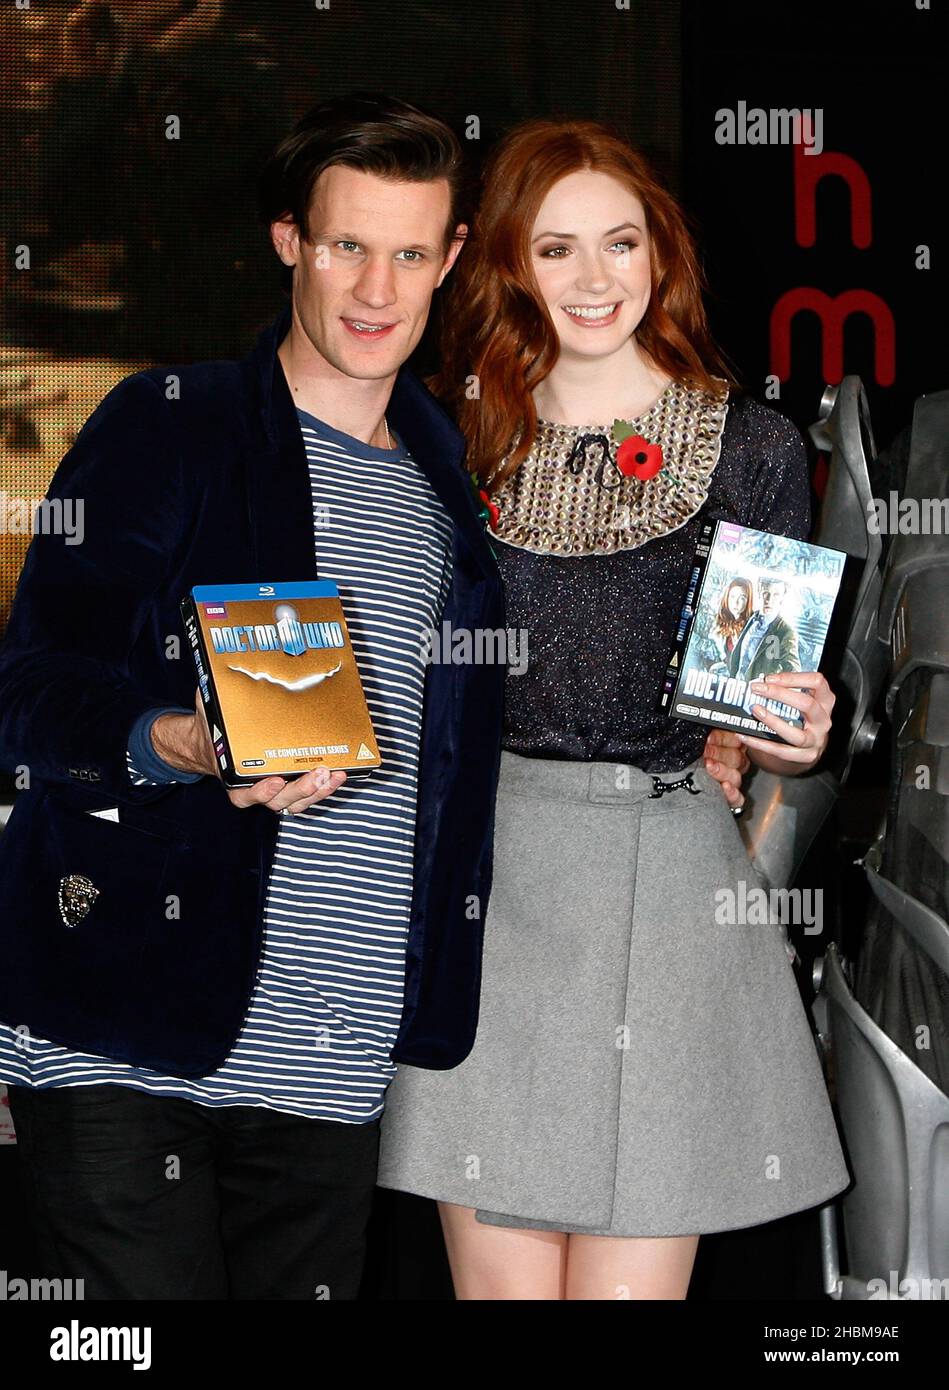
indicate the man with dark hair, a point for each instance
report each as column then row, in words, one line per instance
column 203, row 1002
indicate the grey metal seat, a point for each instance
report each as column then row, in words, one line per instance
column 883, row 1018
column 895, row 1124
column 884, row 1021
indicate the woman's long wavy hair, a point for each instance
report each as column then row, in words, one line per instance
column 496, row 328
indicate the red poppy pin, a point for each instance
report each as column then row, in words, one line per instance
column 635, row 456
column 489, row 512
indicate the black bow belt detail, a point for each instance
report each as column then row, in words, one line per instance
column 660, row 788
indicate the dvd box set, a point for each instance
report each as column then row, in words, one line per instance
column 278, row 678
column 756, row 604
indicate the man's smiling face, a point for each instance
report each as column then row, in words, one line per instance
column 363, row 282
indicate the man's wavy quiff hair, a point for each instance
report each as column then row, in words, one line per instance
column 363, row 130
column 496, row 327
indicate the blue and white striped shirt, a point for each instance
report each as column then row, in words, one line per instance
column 325, row 1010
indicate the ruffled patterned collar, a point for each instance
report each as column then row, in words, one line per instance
column 548, row 507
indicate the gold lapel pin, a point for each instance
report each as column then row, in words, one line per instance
column 76, row 896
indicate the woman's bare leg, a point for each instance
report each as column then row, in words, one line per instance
column 657, row 1267
column 502, row 1262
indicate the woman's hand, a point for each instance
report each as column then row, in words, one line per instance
column 726, row 761
column 808, row 692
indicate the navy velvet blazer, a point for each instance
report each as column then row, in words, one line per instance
column 198, row 475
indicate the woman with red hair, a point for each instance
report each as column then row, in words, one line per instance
column 644, row 1070
column 736, row 607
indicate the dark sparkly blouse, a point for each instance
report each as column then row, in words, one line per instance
column 600, row 627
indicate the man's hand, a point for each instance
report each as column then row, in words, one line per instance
column 726, row 761
column 184, row 741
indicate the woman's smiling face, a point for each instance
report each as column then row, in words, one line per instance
column 590, row 254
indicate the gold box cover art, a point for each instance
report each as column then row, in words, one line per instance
column 279, row 680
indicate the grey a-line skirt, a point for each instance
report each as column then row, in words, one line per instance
column 643, row 1066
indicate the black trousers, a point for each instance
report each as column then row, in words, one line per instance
column 150, row 1197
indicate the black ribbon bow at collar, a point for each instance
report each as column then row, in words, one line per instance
column 577, row 459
